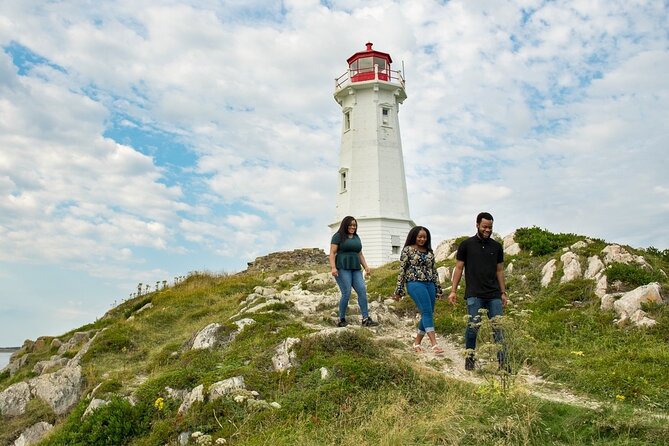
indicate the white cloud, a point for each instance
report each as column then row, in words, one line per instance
column 546, row 113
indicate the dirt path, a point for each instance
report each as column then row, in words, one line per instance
column 451, row 362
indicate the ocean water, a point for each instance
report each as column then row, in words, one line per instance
column 4, row 359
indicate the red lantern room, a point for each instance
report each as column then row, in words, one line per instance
column 369, row 64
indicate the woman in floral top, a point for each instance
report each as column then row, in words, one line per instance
column 418, row 272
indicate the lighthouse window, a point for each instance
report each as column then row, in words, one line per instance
column 385, row 113
column 395, row 243
column 347, row 120
column 342, row 180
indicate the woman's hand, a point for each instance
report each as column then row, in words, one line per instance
column 367, row 271
column 334, row 272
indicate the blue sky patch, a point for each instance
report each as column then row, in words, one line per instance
column 25, row 59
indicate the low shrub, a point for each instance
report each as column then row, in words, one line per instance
column 541, row 242
column 632, row 275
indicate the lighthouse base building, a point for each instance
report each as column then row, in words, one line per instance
column 372, row 184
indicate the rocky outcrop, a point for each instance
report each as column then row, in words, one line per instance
column 511, row 247
column 628, row 306
column 226, row 387
column 60, row 389
column 547, row 272
column 571, row 267
column 284, row 356
column 207, row 337
column 443, row 273
column 302, row 301
column 95, row 404
column 77, row 340
column 617, row 254
column 285, row 260
column 33, row 434
column 195, row 395
column 444, row 250
column 14, row 399
column 594, row 268
column 50, row 365
column 601, row 286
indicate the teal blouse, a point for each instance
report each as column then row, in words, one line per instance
column 347, row 253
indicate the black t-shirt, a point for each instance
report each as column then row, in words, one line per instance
column 481, row 258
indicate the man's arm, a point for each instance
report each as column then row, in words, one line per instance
column 457, row 275
column 500, row 280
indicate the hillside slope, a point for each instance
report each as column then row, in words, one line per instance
column 254, row 358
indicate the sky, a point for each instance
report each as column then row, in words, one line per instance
column 142, row 140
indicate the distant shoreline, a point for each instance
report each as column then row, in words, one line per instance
column 9, row 349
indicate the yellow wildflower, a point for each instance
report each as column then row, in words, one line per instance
column 159, row 404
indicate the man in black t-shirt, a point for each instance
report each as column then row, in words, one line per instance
column 482, row 260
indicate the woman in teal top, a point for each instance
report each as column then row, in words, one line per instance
column 345, row 260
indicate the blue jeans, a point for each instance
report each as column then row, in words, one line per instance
column 424, row 296
column 474, row 304
column 347, row 279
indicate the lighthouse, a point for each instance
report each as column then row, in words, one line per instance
column 372, row 185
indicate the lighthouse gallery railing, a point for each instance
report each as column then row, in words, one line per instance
column 366, row 74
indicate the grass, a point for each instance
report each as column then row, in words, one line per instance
column 373, row 396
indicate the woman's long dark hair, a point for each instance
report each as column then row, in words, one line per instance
column 343, row 228
column 413, row 235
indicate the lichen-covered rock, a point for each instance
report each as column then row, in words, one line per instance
column 61, row 389
column 13, row 399
column 33, row 434
column 197, row 394
column 547, row 272
column 95, row 404
column 207, row 337
column 288, row 259
column 226, row 387
column 444, row 249
column 78, row 339
column 284, row 356
column 629, row 305
column 571, row 267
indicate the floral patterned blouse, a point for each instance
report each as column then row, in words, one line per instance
column 416, row 266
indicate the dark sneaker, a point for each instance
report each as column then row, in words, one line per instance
column 342, row 323
column 469, row 363
column 368, row 322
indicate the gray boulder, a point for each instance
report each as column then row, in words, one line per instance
column 547, row 272
column 13, row 399
column 571, row 267
column 628, row 307
column 206, row 338
column 226, row 387
column 33, row 434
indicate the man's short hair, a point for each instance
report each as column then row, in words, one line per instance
column 483, row 215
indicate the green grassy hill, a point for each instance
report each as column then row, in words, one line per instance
column 362, row 386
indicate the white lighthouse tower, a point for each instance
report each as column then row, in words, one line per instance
column 372, row 186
